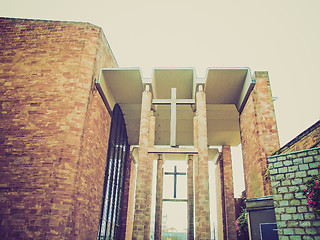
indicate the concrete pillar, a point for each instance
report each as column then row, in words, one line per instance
column 190, row 198
column 142, row 217
column 202, row 207
column 259, row 136
column 228, row 194
column 159, row 196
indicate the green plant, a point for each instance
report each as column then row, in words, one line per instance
column 267, row 174
column 312, row 191
column 242, row 223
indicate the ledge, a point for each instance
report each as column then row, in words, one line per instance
column 173, row 150
column 260, row 203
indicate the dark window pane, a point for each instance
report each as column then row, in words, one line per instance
column 114, row 178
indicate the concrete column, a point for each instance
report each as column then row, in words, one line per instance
column 159, row 196
column 190, row 199
column 142, row 217
column 229, row 213
column 202, row 207
column 152, row 129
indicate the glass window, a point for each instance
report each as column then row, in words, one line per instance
column 175, row 180
column 174, row 208
column 109, row 227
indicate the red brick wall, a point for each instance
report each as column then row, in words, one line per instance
column 54, row 129
column 128, row 199
column 229, row 212
column 221, row 221
column 259, row 136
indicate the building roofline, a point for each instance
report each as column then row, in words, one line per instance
column 298, row 138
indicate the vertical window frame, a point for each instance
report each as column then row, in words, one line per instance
column 111, row 207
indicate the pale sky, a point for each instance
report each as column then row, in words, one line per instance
column 281, row 37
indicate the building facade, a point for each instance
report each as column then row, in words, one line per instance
column 84, row 144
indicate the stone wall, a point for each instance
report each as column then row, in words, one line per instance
column 54, row 129
column 259, row 136
column 289, row 173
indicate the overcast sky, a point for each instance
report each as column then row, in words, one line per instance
column 281, row 37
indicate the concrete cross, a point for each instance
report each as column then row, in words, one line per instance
column 175, row 174
column 173, row 101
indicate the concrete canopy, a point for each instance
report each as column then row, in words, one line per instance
column 228, row 86
column 164, row 79
column 227, row 90
column 123, row 86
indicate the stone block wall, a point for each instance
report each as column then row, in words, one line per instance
column 289, row 173
column 54, row 129
column 259, row 136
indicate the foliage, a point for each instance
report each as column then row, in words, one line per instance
column 312, row 191
column 267, row 174
column 242, row 223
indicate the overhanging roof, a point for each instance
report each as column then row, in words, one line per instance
column 121, row 85
column 180, row 78
column 228, row 86
column 227, row 90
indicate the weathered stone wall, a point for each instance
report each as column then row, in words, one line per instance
column 289, row 173
column 54, row 129
column 259, row 136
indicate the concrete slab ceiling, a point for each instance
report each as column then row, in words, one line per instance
column 164, row 79
column 228, row 86
column 227, row 90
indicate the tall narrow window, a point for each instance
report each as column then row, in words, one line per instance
column 109, row 227
column 174, row 209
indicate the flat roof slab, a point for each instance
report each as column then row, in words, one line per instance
column 227, row 90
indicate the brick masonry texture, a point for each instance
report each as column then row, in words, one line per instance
column 288, row 173
column 220, row 203
column 229, row 203
column 201, row 189
column 190, row 199
column 54, row 129
column 128, row 199
column 259, row 136
column 142, row 216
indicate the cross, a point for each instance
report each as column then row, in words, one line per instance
column 175, row 174
column 173, row 101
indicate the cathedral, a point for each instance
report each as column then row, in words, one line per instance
column 90, row 150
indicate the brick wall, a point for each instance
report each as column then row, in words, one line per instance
column 289, row 173
column 54, row 129
column 220, row 203
column 259, row 136
column 128, row 198
column 229, row 204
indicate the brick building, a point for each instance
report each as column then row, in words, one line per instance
column 290, row 169
column 87, row 148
